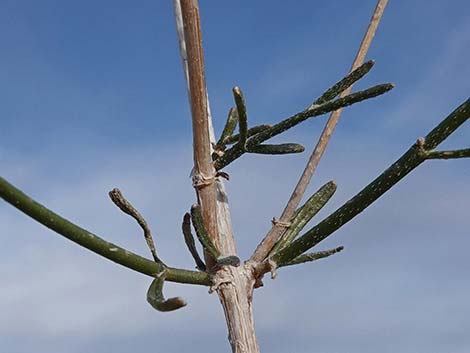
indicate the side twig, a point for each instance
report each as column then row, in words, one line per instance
column 236, row 151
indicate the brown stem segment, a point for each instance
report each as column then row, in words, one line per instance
column 203, row 169
column 276, row 232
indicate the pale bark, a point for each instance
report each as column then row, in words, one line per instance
column 234, row 285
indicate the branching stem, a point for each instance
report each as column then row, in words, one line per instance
column 416, row 155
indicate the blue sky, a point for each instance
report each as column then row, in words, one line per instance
column 93, row 97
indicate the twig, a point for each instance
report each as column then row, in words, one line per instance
column 236, row 151
column 275, row 233
column 156, row 299
column 313, row 256
column 92, row 242
column 189, row 240
column 416, row 155
column 464, row 153
column 125, row 206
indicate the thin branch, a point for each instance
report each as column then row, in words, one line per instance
column 156, row 299
column 313, row 256
column 275, row 233
column 236, row 151
column 464, row 153
column 242, row 117
column 189, row 240
column 416, row 155
column 92, row 242
column 125, row 206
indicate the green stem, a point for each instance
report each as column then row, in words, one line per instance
column 92, row 242
column 236, row 151
column 464, row 153
column 416, row 155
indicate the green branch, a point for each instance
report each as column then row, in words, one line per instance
column 416, row 155
column 464, row 153
column 236, row 151
column 92, row 242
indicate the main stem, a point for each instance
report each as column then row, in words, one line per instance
column 234, row 285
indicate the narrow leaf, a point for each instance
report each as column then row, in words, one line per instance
column 306, row 212
column 201, row 232
column 242, row 116
column 345, row 83
column 230, row 126
column 156, row 299
column 189, row 240
column 285, row 148
column 312, row 256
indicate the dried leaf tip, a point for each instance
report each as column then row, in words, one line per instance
column 125, row 206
